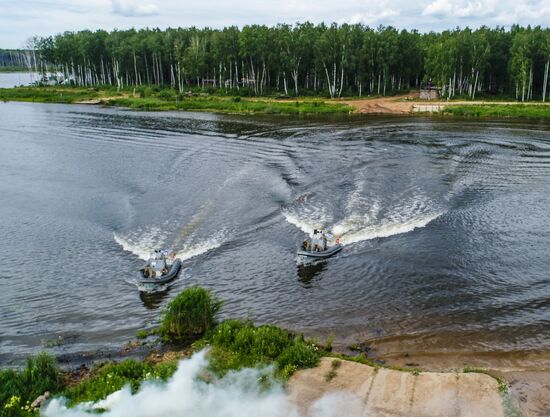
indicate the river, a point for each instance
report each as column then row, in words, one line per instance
column 15, row 79
column 445, row 224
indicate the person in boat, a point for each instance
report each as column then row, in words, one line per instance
column 319, row 241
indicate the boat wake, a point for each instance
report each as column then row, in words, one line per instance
column 361, row 221
column 144, row 243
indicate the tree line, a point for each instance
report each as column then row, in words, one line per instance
column 304, row 58
column 15, row 58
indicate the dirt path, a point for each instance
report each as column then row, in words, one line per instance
column 383, row 105
column 409, row 103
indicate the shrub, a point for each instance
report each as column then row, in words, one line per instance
column 142, row 334
column 300, row 354
column 145, row 92
column 189, row 315
column 42, row 374
column 238, row 344
column 111, row 377
column 167, row 95
column 19, row 389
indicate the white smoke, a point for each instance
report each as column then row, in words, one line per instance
column 185, row 394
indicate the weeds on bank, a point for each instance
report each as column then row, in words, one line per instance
column 334, row 365
column 110, row 377
column 48, row 94
column 237, row 344
column 189, row 315
column 230, row 105
column 18, row 389
column 501, row 110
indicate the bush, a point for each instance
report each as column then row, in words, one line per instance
column 19, row 389
column 111, row 377
column 189, row 315
column 167, row 95
column 237, row 344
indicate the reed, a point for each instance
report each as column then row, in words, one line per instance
column 189, row 315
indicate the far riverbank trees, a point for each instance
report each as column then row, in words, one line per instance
column 307, row 59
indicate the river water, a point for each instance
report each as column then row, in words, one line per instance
column 445, row 223
column 14, row 79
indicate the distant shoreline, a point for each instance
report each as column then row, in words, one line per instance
column 13, row 69
column 169, row 100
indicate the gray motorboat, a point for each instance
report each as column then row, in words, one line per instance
column 161, row 268
column 320, row 246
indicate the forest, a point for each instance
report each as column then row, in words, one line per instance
column 14, row 59
column 306, row 59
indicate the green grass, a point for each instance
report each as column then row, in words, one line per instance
column 237, row 344
column 154, row 98
column 189, row 315
column 13, row 69
column 47, row 94
column 231, row 105
column 532, row 111
column 18, row 389
column 502, row 384
column 110, row 377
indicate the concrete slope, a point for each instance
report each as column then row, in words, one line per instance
column 382, row 392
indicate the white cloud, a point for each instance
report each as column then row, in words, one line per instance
column 48, row 17
column 132, row 8
column 459, row 8
column 373, row 17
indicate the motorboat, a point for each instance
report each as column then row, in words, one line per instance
column 161, row 268
column 320, row 246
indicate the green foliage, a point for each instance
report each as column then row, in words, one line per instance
column 237, row 344
column 335, row 364
column 14, row 69
column 168, row 95
column 47, row 94
column 500, row 110
column 306, row 59
column 232, row 105
column 18, row 389
column 142, row 334
column 189, row 315
column 111, row 377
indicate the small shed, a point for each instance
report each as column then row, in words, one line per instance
column 430, row 93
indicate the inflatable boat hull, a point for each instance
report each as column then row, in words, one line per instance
column 163, row 279
column 332, row 250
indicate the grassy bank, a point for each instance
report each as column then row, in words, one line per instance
column 531, row 111
column 49, row 94
column 147, row 98
column 188, row 324
column 231, row 105
column 14, row 69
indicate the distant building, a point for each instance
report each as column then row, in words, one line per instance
column 430, row 93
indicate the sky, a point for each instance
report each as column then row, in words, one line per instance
column 20, row 20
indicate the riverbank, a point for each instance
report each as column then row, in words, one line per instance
column 238, row 353
column 408, row 104
column 167, row 99
column 13, row 69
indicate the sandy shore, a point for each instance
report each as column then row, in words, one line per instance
column 410, row 103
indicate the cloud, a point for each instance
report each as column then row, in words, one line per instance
column 133, row 8
column 238, row 394
column 458, row 8
column 373, row 17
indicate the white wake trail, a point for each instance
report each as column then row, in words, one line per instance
column 386, row 229
column 143, row 246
